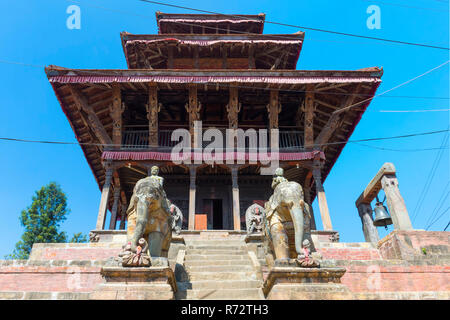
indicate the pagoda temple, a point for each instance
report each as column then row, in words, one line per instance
column 222, row 71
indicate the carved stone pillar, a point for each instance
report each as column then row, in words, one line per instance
column 115, row 208
column 273, row 109
column 104, row 199
column 235, row 194
column 116, row 109
column 322, row 200
column 153, row 108
column 370, row 231
column 395, row 203
column 308, row 108
column 192, row 190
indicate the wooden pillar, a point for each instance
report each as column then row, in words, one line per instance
column 369, row 230
column 192, row 190
column 309, row 117
column 193, row 109
column 170, row 57
column 273, row 109
column 322, row 200
column 123, row 213
column 116, row 109
column 307, row 195
column 224, row 57
column 233, row 107
column 395, row 203
column 153, row 108
column 104, row 199
column 235, row 194
column 251, row 57
column 196, row 61
column 115, row 208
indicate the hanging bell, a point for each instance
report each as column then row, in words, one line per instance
column 382, row 218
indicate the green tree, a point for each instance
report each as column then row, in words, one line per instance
column 42, row 219
column 78, row 238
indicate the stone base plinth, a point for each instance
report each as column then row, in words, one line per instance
column 294, row 283
column 152, row 283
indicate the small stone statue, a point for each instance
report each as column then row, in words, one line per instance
column 140, row 258
column 278, row 177
column 177, row 218
column 254, row 217
column 305, row 259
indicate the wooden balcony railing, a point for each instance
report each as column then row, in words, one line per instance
column 138, row 139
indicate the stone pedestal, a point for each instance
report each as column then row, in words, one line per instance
column 152, row 283
column 294, row 283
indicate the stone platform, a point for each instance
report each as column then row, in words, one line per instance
column 294, row 283
column 151, row 283
column 223, row 265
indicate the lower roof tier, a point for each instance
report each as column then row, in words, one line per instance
column 332, row 90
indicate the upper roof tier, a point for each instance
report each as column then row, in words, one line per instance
column 209, row 23
column 212, row 51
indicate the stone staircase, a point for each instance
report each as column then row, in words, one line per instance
column 219, row 268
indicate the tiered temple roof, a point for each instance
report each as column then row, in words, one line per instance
column 234, row 75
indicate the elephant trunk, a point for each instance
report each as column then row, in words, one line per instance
column 297, row 220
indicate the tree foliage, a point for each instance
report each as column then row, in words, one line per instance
column 42, row 220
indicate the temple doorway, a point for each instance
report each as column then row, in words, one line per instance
column 213, row 209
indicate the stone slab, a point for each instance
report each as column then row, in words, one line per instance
column 296, row 283
column 152, row 283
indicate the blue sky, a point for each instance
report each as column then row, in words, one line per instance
column 35, row 32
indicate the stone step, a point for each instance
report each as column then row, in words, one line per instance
column 223, row 294
column 200, row 275
column 213, row 242
column 244, row 268
column 213, row 257
column 216, row 247
column 214, row 251
column 219, row 284
column 231, row 262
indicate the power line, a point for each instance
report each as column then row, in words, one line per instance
column 430, row 177
column 440, row 216
column 396, row 87
column 131, row 145
column 300, row 27
column 400, row 150
column 405, row 6
column 448, row 224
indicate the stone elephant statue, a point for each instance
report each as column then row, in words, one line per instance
column 149, row 217
column 287, row 222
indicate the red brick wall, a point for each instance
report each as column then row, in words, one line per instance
column 78, row 253
column 49, row 279
column 397, row 278
column 350, row 253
